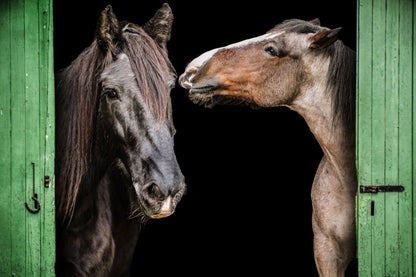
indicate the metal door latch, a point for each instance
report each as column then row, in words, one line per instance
column 375, row 189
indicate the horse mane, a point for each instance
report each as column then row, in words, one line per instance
column 341, row 73
column 77, row 106
column 341, row 82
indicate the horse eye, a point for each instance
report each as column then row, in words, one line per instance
column 111, row 93
column 271, row 51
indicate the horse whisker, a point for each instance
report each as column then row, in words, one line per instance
column 138, row 213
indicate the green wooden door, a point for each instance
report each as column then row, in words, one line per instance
column 27, row 241
column 386, row 146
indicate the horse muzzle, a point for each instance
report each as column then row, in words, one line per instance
column 189, row 81
column 185, row 80
column 166, row 209
column 156, row 203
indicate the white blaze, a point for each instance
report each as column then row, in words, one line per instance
column 197, row 62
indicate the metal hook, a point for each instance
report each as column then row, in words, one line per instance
column 35, row 196
column 37, row 205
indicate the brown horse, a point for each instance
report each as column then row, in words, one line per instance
column 301, row 65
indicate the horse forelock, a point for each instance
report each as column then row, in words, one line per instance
column 152, row 69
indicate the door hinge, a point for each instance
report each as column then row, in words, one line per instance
column 386, row 188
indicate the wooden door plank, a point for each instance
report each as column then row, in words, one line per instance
column 392, row 136
column 364, row 133
column 18, row 168
column 5, row 126
column 405, row 139
column 378, row 137
column 48, row 133
column 33, row 165
column 414, row 141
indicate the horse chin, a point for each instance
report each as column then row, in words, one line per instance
column 210, row 100
column 150, row 214
column 157, row 216
column 202, row 99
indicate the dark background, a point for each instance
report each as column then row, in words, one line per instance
column 249, row 172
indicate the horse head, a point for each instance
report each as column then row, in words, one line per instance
column 265, row 71
column 134, row 119
column 115, row 114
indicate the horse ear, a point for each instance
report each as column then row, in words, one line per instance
column 160, row 25
column 107, row 29
column 315, row 21
column 324, row 38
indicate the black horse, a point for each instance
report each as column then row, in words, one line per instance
column 115, row 161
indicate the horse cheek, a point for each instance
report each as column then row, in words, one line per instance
column 285, row 83
column 263, row 89
column 110, row 116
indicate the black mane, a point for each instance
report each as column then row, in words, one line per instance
column 341, row 81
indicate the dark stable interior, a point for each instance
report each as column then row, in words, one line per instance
column 249, row 172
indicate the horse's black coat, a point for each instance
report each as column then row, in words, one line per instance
column 115, row 163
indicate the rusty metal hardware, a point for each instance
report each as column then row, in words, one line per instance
column 47, row 181
column 386, row 188
column 37, row 205
column 35, row 196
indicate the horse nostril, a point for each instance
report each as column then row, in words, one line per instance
column 185, row 80
column 153, row 191
column 189, row 75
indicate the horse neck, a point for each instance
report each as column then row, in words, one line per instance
column 85, row 206
column 336, row 139
column 90, row 192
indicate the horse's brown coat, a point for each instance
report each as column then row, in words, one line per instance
column 303, row 66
